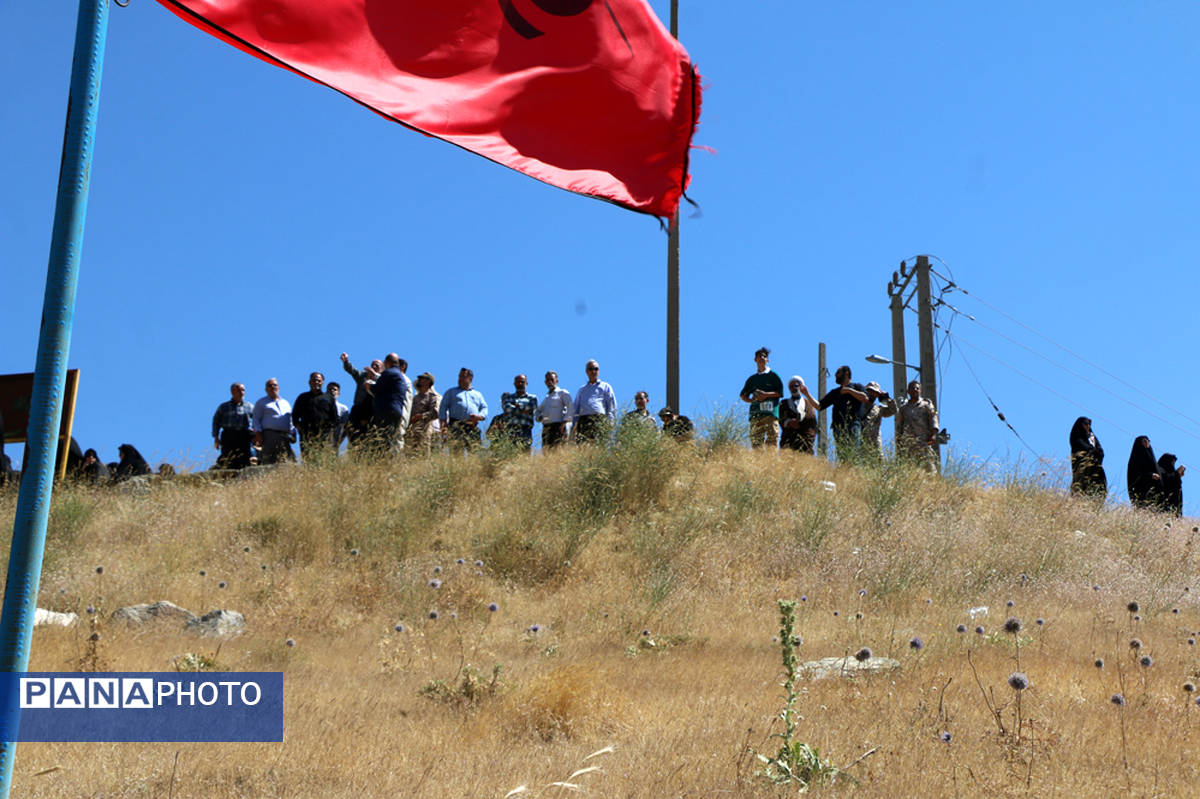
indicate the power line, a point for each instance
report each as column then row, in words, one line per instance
column 992, row 402
column 1037, row 382
column 1086, row 379
column 952, row 286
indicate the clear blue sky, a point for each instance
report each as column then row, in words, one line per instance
column 245, row 223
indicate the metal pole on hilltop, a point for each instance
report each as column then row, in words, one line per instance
column 673, row 280
column 822, row 374
column 54, row 343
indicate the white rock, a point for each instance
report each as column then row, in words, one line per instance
column 846, row 667
column 43, row 617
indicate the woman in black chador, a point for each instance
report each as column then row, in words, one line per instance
column 1142, row 477
column 132, row 463
column 1172, row 484
column 1087, row 459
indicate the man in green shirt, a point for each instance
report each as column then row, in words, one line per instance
column 763, row 390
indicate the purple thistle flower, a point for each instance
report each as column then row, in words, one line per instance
column 1012, row 625
column 460, row 561
column 1018, row 681
column 264, row 567
column 479, row 564
column 493, row 607
column 804, row 598
column 858, row 616
column 454, row 615
column 1191, row 642
column 1009, row 603
column 1189, row 687
column 835, row 613
column 90, row 610
column 1146, row 661
column 645, row 633
column 1040, row 622
column 1135, row 643
column 437, row 569
column 1137, row 617
column 1133, row 607
column 221, row 584
column 245, row 549
column 1118, row 700
column 862, row 654
column 916, row 643
column 94, row 637
column 535, row 628
column 399, row 628
column 979, row 630
column 203, row 573
column 435, row 584
column 1099, row 663
column 1095, row 587
column 962, row 628
column 99, row 570
column 1175, row 611
column 354, row 553
column 945, row 737
column 433, row 614
column 862, row 592
column 290, row 642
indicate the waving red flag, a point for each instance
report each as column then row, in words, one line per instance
column 593, row 96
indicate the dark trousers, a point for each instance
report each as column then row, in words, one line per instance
column 315, row 443
column 277, row 446
column 553, row 434
column 593, row 428
column 464, row 435
column 235, row 449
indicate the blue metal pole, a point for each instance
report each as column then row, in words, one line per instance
column 54, row 343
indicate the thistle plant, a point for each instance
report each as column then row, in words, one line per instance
column 795, row 761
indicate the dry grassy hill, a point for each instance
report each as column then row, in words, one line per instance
column 636, row 600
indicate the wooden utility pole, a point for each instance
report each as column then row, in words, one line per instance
column 925, row 328
column 900, row 281
column 822, row 438
column 673, row 280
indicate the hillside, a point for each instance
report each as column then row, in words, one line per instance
column 636, row 600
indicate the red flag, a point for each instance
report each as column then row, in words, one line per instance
column 593, row 96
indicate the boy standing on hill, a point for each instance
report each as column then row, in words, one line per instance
column 762, row 390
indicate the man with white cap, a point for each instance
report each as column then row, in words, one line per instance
column 872, row 441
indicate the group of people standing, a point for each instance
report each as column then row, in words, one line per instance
column 790, row 422
column 390, row 413
column 1153, row 484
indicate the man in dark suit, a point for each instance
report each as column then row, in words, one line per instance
column 390, row 391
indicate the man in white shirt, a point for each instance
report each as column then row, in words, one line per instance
column 554, row 413
column 273, row 430
column 594, row 411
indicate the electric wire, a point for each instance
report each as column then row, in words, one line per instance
column 954, row 286
column 999, row 413
column 1039, row 383
column 1086, row 379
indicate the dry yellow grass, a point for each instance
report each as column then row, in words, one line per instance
column 595, row 548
